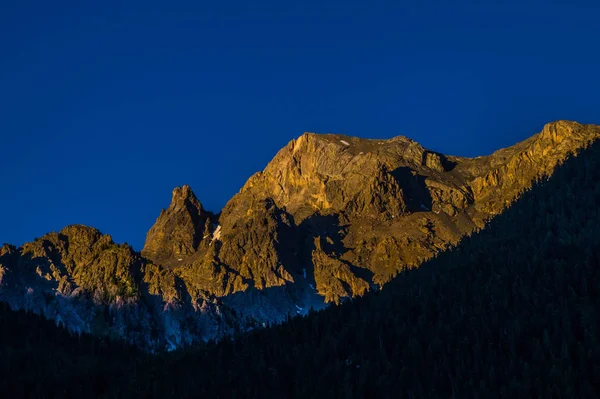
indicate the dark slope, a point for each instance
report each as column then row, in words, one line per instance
column 39, row 359
column 511, row 312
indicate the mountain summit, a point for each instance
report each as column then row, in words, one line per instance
column 179, row 229
column 330, row 217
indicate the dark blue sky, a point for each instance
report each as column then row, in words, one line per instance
column 105, row 108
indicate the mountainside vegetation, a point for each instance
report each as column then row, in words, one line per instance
column 510, row 311
column 39, row 359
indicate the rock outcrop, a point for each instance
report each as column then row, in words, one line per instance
column 179, row 229
column 329, row 218
column 507, row 172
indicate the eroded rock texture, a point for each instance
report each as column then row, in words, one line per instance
column 354, row 212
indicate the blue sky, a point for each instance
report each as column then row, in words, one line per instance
column 105, row 108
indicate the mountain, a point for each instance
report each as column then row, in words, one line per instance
column 331, row 217
column 510, row 311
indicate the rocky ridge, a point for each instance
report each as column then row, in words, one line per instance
column 330, row 217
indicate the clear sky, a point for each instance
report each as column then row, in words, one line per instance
column 105, row 108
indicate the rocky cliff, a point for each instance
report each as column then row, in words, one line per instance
column 353, row 212
column 330, row 217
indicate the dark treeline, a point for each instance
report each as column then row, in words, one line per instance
column 39, row 359
column 510, row 312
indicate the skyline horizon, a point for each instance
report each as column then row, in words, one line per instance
column 106, row 107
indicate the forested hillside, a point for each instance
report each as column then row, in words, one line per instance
column 512, row 311
column 39, row 359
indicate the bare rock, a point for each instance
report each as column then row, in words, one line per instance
column 179, row 229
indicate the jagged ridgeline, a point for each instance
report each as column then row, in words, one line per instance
column 331, row 217
column 511, row 311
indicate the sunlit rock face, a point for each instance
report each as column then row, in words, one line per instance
column 381, row 205
column 179, row 229
column 331, row 217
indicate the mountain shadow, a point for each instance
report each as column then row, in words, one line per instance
column 447, row 164
column 417, row 196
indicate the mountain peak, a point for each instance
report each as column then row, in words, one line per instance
column 7, row 248
column 178, row 229
column 184, row 191
column 184, row 195
column 78, row 229
column 562, row 123
column 557, row 131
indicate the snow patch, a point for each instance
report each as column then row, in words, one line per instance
column 304, row 272
column 311, row 286
column 298, row 307
column 344, row 142
column 216, row 234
